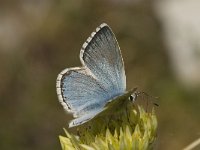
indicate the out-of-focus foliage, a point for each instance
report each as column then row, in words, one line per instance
column 181, row 21
column 40, row 38
column 130, row 130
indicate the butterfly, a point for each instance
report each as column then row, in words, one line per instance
column 86, row 91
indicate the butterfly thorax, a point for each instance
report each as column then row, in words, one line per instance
column 118, row 103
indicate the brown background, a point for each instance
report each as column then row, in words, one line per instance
column 40, row 38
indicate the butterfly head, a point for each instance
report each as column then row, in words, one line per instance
column 132, row 94
column 133, row 97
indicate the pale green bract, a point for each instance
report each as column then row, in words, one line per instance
column 131, row 129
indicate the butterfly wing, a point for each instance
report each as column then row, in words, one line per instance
column 80, row 94
column 85, row 91
column 102, row 55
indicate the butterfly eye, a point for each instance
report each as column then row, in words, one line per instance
column 132, row 97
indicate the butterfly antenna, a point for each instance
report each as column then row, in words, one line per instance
column 152, row 98
column 147, row 97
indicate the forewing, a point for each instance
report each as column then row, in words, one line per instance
column 101, row 54
column 79, row 92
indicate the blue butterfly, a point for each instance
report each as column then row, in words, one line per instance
column 85, row 91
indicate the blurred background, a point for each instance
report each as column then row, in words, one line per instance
column 160, row 43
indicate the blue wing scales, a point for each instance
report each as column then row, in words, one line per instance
column 84, row 91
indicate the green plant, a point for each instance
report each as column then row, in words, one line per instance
column 133, row 128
